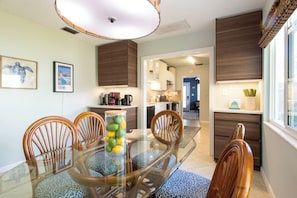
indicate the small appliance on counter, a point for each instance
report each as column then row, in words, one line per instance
column 103, row 99
column 128, row 99
column 163, row 98
column 113, row 98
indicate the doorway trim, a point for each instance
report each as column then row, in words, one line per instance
column 143, row 95
column 187, row 102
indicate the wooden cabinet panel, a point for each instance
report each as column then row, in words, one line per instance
column 224, row 125
column 238, row 56
column 117, row 64
column 131, row 115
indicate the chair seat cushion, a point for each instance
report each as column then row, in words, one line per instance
column 102, row 164
column 184, row 184
column 142, row 159
column 61, row 185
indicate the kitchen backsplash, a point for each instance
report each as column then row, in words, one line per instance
column 134, row 91
column 225, row 93
column 155, row 96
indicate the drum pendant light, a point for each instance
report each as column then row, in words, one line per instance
column 111, row 19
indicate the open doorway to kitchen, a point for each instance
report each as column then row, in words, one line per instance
column 191, row 97
column 207, row 79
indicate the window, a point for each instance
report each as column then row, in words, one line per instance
column 292, row 72
column 278, row 77
column 283, row 72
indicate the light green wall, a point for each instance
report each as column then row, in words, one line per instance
column 20, row 107
column 178, row 43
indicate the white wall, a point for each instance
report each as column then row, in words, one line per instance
column 279, row 161
column 20, row 107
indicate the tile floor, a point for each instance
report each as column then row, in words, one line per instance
column 202, row 163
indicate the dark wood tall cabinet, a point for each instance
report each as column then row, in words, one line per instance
column 117, row 64
column 238, row 55
column 224, row 125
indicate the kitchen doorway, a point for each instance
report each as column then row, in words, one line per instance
column 191, row 94
column 208, row 82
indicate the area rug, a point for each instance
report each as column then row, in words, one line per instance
column 189, row 134
column 190, row 115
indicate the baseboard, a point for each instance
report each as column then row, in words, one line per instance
column 267, row 184
column 204, row 122
column 8, row 167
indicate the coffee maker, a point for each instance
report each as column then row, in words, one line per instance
column 113, row 98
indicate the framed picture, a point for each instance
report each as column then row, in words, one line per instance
column 18, row 73
column 63, row 77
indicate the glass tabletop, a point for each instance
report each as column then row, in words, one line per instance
column 20, row 180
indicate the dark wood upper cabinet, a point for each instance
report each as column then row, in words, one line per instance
column 117, row 64
column 238, row 55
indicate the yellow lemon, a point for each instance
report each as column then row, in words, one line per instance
column 123, row 124
column 117, row 149
column 120, row 141
column 111, row 134
column 106, row 139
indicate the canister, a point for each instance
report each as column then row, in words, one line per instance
column 115, row 137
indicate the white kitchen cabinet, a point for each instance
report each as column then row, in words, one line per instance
column 160, row 107
column 171, row 79
column 153, row 70
column 164, row 75
column 159, row 77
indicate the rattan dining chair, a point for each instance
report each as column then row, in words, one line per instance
column 90, row 128
column 167, row 128
column 48, row 143
column 91, row 131
column 239, row 132
column 231, row 179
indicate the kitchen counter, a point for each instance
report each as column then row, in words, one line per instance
column 113, row 106
column 244, row 111
column 154, row 103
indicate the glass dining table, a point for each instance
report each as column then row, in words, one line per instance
column 129, row 180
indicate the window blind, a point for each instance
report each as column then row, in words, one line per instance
column 279, row 13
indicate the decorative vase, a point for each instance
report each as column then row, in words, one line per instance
column 250, row 103
column 115, row 136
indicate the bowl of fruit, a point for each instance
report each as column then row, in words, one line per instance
column 115, row 138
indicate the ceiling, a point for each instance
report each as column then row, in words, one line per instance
column 177, row 17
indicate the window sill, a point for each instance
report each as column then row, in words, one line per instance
column 283, row 133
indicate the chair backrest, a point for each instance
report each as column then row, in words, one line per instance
column 90, row 128
column 50, row 137
column 232, row 177
column 239, row 132
column 167, row 127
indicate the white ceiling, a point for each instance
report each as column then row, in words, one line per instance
column 175, row 16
